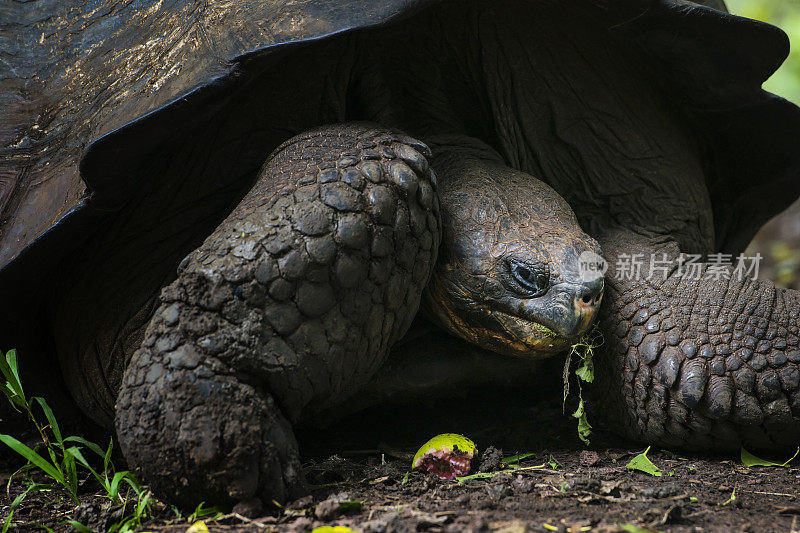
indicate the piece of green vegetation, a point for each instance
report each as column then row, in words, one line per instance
column 631, row 528
column 517, row 458
column 204, row 513
column 584, row 428
column 61, row 458
column 198, row 527
column 643, row 464
column 584, row 350
column 693, row 499
column 350, row 506
column 551, row 527
column 555, row 465
column 731, row 499
column 749, row 460
column 508, row 469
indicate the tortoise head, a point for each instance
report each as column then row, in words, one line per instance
column 512, row 272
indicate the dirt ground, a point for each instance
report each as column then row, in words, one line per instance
column 565, row 486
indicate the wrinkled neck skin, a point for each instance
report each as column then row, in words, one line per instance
column 496, row 218
column 708, row 360
column 705, row 362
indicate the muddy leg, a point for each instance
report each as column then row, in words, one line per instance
column 290, row 305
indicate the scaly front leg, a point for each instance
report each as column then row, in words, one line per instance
column 699, row 360
column 288, row 307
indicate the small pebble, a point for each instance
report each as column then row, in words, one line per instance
column 249, row 508
column 589, row 458
column 327, row 509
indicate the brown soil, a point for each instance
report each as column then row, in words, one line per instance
column 577, row 489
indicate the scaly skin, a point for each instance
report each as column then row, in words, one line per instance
column 699, row 364
column 291, row 304
column 495, row 219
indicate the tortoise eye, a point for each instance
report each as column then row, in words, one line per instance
column 533, row 280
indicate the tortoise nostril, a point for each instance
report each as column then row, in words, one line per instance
column 589, row 293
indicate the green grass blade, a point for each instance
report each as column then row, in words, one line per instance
column 71, row 473
column 51, row 419
column 113, row 487
column 76, row 452
column 80, row 528
column 517, row 458
column 18, row 500
column 13, row 387
column 107, row 456
column 131, row 479
column 33, row 457
column 91, row 445
column 8, row 365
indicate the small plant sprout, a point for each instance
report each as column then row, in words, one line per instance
column 642, row 463
column 61, row 458
column 206, row 513
column 446, row 456
column 731, row 499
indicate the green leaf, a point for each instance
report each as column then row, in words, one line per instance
column 91, row 445
column 642, row 463
column 584, row 428
column 586, row 371
column 630, row 528
column 731, row 499
column 749, row 460
column 33, row 457
column 206, row 513
column 113, row 486
column 517, row 458
column 351, row 506
column 107, row 456
column 555, row 465
column 18, row 500
column 80, row 528
column 70, row 473
column 77, row 454
column 51, row 419
column 13, row 387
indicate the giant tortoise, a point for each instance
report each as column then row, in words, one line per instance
column 219, row 217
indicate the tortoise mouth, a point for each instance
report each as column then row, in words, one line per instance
column 498, row 331
column 513, row 335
